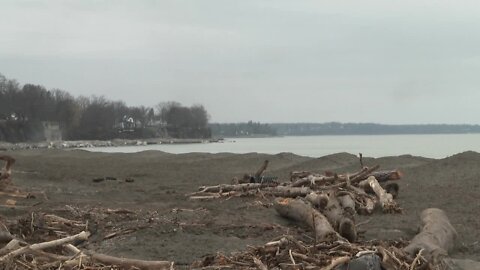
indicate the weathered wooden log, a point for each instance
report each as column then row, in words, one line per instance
column 295, row 175
column 238, row 187
column 314, row 180
column 385, row 199
column 383, row 176
column 393, row 189
column 363, row 174
column 278, row 191
column 346, row 202
column 286, row 191
column 302, row 211
column 320, row 181
column 342, row 221
column 318, row 200
column 210, row 196
column 436, row 238
column 45, row 245
column 14, row 244
column 126, row 263
column 261, row 170
column 249, row 178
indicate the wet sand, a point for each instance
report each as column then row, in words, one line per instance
column 186, row 230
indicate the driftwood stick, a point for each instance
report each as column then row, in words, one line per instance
column 81, row 236
column 260, row 265
column 48, row 255
column 210, row 195
column 279, row 243
column 306, row 258
column 416, row 260
column 336, row 262
column 130, row 263
column 362, row 171
column 276, row 191
column 11, row 246
column 364, row 203
column 363, row 174
column 237, row 187
column 313, row 180
column 73, row 249
column 261, row 170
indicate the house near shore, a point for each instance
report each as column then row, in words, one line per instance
column 51, row 131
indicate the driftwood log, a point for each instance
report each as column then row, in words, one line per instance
column 237, row 187
column 383, row 176
column 327, row 181
column 125, row 263
column 318, row 200
column 314, row 180
column 249, row 178
column 261, row 170
column 436, row 238
column 286, row 191
column 295, row 175
column 50, row 244
column 303, row 212
column 341, row 219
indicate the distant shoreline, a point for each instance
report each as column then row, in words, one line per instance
column 6, row 146
column 253, row 129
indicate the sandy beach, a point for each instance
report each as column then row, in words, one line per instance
column 183, row 230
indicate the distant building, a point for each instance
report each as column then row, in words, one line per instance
column 52, row 131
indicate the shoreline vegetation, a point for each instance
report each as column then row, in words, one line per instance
column 31, row 113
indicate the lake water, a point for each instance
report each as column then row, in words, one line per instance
column 433, row 146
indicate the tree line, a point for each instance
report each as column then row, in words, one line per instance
column 248, row 129
column 24, row 110
column 336, row 128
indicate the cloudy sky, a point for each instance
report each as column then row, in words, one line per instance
column 379, row 61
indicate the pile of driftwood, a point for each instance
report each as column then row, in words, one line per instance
column 48, row 241
column 330, row 200
column 327, row 204
column 427, row 250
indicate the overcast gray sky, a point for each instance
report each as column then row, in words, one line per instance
column 271, row 61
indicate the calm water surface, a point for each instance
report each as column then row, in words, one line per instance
column 433, row 146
